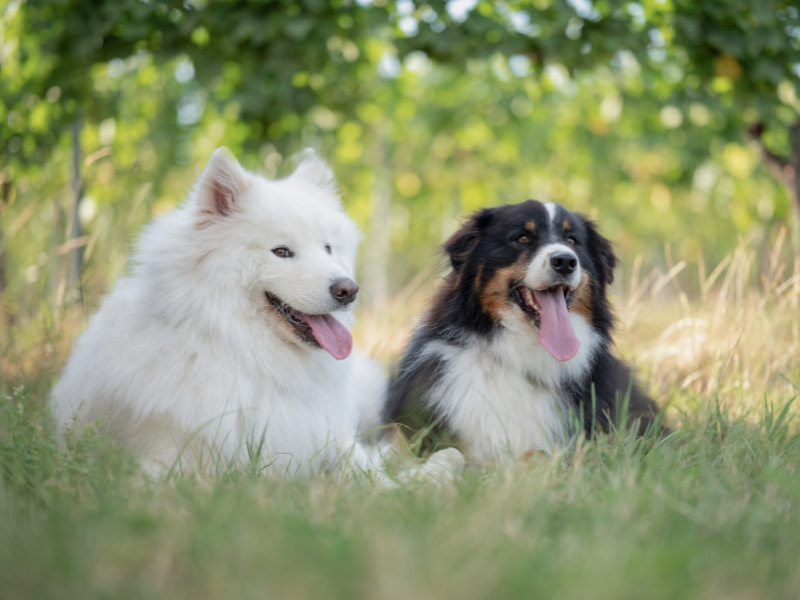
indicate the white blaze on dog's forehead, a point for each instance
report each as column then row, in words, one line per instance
column 551, row 207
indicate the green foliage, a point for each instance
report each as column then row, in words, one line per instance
column 35, row 471
column 265, row 61
column 27, row 453
column 634, row 113
column 711, row 511
column 277, row 59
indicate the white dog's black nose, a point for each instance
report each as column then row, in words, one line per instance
column 563, row 263
column 344, row 291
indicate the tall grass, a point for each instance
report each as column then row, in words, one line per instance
column 711, row 512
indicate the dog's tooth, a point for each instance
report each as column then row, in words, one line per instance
column 528, row 296
column 530, row 299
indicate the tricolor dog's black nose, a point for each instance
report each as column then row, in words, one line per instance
column 564, row 262
column 344, row 291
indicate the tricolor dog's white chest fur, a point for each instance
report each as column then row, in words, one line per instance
column 504, row 397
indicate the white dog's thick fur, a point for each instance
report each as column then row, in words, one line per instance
column 189, row 364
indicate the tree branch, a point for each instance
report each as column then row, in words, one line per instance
column 776, row 163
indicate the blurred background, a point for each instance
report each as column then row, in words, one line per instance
column 673, row 123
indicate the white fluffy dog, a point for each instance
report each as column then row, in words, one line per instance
column 227, row 341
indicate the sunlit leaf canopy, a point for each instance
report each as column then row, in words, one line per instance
column 632, row 112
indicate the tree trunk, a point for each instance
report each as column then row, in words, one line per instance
column 5, row 193
column 792, row 175
column 378, row 242
column 787, row 171
column 75, row 259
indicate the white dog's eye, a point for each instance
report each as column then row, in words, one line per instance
column 283, row 252
column 328, row 248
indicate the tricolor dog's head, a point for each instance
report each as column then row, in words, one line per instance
column 534, row 263
column 287, row 243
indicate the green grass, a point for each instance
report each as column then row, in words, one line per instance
column 710, row 513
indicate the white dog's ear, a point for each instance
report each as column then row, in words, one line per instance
column 222, row 184
column 314, row 170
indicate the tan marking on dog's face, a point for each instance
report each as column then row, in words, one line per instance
column 582, row 299
column 493, row 294
column 566, row 225
column 530, row 226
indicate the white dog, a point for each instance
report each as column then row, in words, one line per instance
column 228, row 342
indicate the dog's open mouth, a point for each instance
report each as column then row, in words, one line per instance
column 316, row 330
column 549, row 310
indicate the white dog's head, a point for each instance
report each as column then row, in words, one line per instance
column 294, row 245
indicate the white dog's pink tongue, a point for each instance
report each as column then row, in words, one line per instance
column 331, row 335
column 556, row 333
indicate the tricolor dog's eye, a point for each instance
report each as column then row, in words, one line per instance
column 572, row 240
column 328, row 248
column 283, row 252
column 523, row 239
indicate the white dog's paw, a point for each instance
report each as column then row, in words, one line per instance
column 443, row 468
column 382, row 481
column 357, row 462
column 376, row 478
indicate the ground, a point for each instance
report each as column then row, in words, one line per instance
column 712, row 512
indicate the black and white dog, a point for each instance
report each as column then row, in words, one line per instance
column 515, row 349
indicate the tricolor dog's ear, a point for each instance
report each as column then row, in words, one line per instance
column 315, row 171
column 222, row 184
column 601, row 248
column 463, row 241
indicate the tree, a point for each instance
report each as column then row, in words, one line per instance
column 623, row 99
column 740, row 60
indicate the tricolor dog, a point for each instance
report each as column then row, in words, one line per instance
column 228, row 341
column 515, row 349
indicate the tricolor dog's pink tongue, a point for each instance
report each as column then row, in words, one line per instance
column 556, row 333
column 331, row 335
